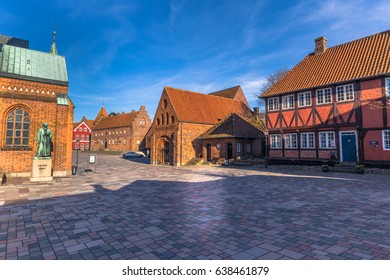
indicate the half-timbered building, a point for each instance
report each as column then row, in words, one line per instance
column 333, row 104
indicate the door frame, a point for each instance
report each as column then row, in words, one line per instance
column 348, row 132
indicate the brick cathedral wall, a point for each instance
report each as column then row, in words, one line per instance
column 39, row 100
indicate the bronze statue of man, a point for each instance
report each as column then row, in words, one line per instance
column 44, row 139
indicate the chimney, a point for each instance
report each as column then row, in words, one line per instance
column 256, row 113
column 320, row 45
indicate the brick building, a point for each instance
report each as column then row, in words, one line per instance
column 82, row 134
column 183, row 125
column 33, row 90
column 120, row 132
column 335, row 103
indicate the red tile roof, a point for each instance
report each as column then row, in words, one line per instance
column 89, row 123
column 233, row 126
column 102, row 113
column 362, row 58
column 120, row 120
column 227, row 93
column 203, row 108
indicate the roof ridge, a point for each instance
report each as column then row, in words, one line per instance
column 356, row 40
column 202, row 94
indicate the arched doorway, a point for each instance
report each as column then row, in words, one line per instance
column 165, row 153
column 229, row 151
column 165, row 150
column 208, row 152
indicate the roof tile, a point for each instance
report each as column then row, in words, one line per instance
column 203, row 108
column 365, row 57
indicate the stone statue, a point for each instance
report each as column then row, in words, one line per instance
column 44, row 139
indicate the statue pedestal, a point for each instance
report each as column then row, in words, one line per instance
column 41, row 170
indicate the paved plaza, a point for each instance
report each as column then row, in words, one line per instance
column 133, row 210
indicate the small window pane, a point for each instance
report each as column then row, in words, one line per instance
column 17, row 141
column 25, row 141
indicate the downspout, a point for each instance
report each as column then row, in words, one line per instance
column 181, row 143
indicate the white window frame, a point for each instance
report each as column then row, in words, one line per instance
column 386, row 140
column 274, row 105
column 290, row 141
column 124, row 140
column 304, row 99
column 345, row 93
column 305, row 140
column 330, row 141
column 276, row 141
column 288, row 101
column 238, row 147
column 81, row 146
column 387, row 86
column 324, row 96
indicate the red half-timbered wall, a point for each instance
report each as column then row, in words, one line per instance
column 367, row 115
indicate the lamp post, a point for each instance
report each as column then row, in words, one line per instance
column 77, row 153
column 266, row 147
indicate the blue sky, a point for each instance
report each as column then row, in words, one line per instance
column 126, row 51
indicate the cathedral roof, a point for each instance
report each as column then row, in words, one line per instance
column 16, row 62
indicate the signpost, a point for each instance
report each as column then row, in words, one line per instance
column 92, row 159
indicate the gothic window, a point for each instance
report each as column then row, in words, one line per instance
column 18, row 128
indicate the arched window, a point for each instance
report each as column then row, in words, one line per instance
column 18, row 128
column 167, row 118
column 162, row 119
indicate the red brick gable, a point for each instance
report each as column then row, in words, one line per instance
column 102, row 114
column 120, row 120
column 201, row 108
column 362, row 58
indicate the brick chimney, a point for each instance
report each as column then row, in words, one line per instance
column 320, row 45
column 256, row 113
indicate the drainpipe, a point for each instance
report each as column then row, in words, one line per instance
column 181, row 143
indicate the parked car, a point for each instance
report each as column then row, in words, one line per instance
column 133, row 155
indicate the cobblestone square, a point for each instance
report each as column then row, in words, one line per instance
column 133, row 210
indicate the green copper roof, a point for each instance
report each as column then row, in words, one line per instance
column 32, row 65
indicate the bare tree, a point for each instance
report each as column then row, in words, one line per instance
column 270, row 80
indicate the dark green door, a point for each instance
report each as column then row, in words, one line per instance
column 348, row 142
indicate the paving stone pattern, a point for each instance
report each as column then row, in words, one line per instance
column 132, row 210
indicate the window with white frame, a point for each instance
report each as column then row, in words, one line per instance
column 85, row 129
column 238, row 147
column 87, row 146
column 124, row 140
column 344, row 93
column 82, row 146
column 386, row 139
column 273, row 104
column 324, row 96
column 290, row 141
column 276, row 141
column 327, row 140
column 307, row 140
column 288, row 101
column 304, row 99
column 77, row 137
column 80, row 129
column 387, row 82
